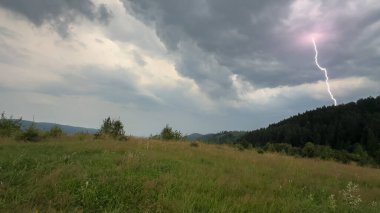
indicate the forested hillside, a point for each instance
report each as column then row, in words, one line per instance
column 353, row 127
column 224, row 137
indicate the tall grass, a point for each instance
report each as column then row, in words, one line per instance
column 74, row 174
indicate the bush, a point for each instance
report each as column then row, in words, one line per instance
column 269, row 147
column 282, row 147
column 324, row 152
column 240, row 147
column 31, row 134
column 295, row 151
column 168, row 133
column 308, row 150
column 249, row 146
column 342, row 156
column 83, row 136
column 55, row 132
column 9, row 127
column 194, row 144
column 260, row 151
column 113, row 128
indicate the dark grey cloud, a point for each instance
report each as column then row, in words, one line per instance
column 58, row 13
column 213, row 39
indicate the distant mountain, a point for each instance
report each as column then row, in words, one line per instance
column 217, row 138
column 349, row 127
column 65, row 128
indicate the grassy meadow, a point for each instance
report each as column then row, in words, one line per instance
column 80, row 174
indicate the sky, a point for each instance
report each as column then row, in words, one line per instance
column 200, row 66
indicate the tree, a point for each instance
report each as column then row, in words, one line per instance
column 117, row 128
column 112, row 127
column 167, row 133
column 106, row 127
column 353, row 127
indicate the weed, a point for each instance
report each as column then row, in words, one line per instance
column 351, row 194
column 331, row 202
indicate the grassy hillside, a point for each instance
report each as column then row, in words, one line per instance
column 79, row 174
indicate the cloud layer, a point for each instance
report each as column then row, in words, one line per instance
column 201, row 66
column 60, row 14
column 262, row 41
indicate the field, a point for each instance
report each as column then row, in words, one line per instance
column 79, row 174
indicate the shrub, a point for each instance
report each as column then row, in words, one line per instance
column 249, row 146
column 295, row 151
column 113, row 128
column 269, row 147
column 55, row 132
column 8, row 126
column 342, row 156
column 260, row 151
column 31, row 134
column 168, row 133
column 240, row 147
column 282, row 147
column 309, row 150
column 194, row 144
column 324, row 152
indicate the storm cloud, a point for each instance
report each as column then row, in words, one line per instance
column 200, row 66
column 257, row 40
column 58, row 13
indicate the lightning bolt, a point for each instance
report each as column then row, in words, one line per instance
column 325, row 71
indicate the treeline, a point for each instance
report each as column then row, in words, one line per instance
column 352, row 130
column 223, row 137
column 13, row 128
column 109, row 129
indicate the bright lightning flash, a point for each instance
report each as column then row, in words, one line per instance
column 325, row 71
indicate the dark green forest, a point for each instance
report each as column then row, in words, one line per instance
column 352, row 128
column 224, row 137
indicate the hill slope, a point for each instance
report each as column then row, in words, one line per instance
column 350, row 127
column 86, row 175
column 65, row 128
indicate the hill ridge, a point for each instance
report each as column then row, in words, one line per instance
column 68, row 129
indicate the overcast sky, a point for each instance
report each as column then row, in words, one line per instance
column 200, row 66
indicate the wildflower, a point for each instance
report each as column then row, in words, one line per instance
column 332, row 202
column 351, row 194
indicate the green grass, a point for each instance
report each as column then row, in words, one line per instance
column 75, row 175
